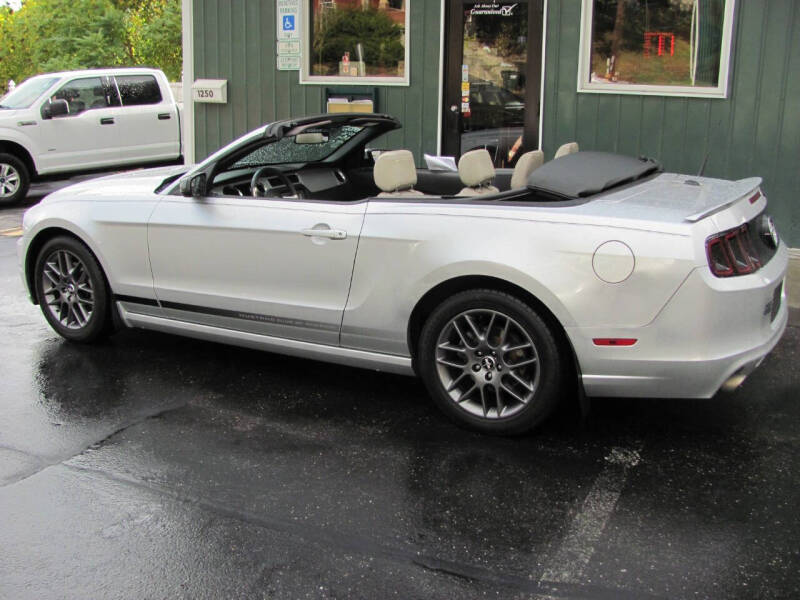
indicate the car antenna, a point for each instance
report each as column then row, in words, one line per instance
column 703, row 166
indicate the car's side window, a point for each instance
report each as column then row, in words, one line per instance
column 82, row 95
column 136, row 90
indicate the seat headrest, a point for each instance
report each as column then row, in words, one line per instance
column 568, row 148
column 475, row 168
column 395, row 170
column 527, row 164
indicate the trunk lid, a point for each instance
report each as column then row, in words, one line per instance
column 671, row 198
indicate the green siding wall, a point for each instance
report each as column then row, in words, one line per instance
column 236, row 41
column 753, row 132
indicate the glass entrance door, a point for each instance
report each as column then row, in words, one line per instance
column 492, row 78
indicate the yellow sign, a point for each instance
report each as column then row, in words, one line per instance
column 343, row 105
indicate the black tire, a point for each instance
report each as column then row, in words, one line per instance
column 68, row 309
column 11, row 164
column 511, row 399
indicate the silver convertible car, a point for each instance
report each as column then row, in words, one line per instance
column 504, row 290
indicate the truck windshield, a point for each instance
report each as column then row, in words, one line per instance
column 27, row 92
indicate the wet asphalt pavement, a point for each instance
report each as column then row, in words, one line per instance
column 153, row 466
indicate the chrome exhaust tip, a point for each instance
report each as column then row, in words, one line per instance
column 737, row 379
column 733, row 382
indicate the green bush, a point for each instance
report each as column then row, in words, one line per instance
column 54, row 35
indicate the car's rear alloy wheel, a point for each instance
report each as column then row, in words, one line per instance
column 487, row 363
column 71, row 290
column 491, row 362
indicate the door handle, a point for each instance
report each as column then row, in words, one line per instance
column 164, row 116
column 107, row 121
column 331, row 234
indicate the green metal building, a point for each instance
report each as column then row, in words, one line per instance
column 711, row 84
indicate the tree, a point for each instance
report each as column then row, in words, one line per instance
column 15, row 60
column 50, row 35
column 617, row 36
column 53, row 35
column 155, row 35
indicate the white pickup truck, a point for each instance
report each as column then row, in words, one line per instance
column 83, row 121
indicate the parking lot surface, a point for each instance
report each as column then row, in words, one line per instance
column 153, row 466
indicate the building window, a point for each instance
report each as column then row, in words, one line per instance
column 659, row 47
column 356, row 41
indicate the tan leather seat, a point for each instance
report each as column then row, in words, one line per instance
column 527, row 164
column 476, row 171
column 568, row 148
column 396, row 174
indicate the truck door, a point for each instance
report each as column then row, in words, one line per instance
column 86, row 137
column 148, row 120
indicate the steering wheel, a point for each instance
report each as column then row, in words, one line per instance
column 271, row 171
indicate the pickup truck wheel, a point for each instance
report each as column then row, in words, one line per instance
column 14, row 179
column 72, row 291
column 490, row 362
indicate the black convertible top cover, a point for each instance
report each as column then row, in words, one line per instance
column 584, row 174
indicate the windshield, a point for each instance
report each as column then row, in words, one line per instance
column 27, row 92
column 310, row 146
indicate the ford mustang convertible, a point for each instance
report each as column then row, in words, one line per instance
column 503, row 290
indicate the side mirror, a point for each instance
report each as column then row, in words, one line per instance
column 198, row 186
column 194, row 187
column 55, row 108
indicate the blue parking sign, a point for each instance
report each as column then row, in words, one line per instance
column 287, row 22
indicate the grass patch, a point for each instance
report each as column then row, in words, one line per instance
column 634, row 67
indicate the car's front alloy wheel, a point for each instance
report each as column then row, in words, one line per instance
column 14, row 179
column 491, row 362
column 71, row 290
column 68, row 290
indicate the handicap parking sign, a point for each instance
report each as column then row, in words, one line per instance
column 288, row 19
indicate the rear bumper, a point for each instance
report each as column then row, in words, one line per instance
column 710, row 331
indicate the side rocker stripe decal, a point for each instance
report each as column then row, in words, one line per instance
column 232, row 314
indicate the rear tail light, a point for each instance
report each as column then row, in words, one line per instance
column 732, row 253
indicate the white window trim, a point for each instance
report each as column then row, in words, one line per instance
column 305, row 61
column 187, row 118
column 584, row 65
column 440, row 107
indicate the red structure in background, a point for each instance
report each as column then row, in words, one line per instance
column 661, row 37
column 396, row 9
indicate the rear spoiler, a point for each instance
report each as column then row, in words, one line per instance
column 743, row 188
